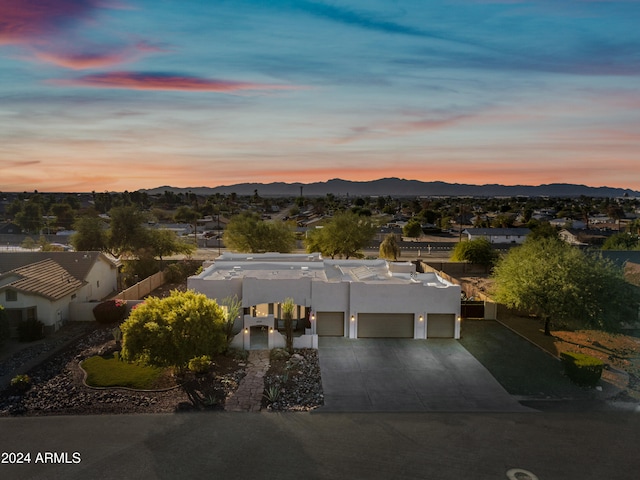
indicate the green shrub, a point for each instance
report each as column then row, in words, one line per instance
column 239, row 355
column 30, row 330
column 272, row 393
column 168, row 332
column 179, row 271
column 200, row 364
column 582, row 369
column 279, row 354
column 110, row 311
column 21, row 383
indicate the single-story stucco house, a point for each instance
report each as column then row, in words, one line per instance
column 344, row 298
column 42, row 285
column 498, row 235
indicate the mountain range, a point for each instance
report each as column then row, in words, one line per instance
column 398, row 187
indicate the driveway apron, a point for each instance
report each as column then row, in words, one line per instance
column 402, row 375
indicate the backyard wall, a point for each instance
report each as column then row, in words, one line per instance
column 142, row 288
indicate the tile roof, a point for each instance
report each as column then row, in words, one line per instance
column 78, row 264
column 45, row 278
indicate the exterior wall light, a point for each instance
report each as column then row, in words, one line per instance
column 421, row 318
column 246, row 330
column 271, row 330
column 353, row 318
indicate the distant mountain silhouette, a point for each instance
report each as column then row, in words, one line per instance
column 397, row 187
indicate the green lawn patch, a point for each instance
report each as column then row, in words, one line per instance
column 110, row 371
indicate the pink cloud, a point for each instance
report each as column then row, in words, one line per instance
column 83, row 60
column 96, row 59
column 164, row 81
column 22, row 21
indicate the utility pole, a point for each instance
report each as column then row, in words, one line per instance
column 460, row 223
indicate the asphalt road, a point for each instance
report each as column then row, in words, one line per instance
column 439, row 446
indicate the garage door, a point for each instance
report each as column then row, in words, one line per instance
column 330, row 324
column 441, row 325
column 385, row 325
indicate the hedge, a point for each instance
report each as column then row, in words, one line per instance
column 582, row 369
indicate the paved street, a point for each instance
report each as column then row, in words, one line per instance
column 440, row 446
column 406, row 375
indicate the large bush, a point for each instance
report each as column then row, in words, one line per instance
column 179, row 271
column 173, row 330
column 110, row 311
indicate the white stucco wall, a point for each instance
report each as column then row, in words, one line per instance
column 46, row 310
column 256, row 291
column 330, row 297
column 102, row 281
column 216, row 289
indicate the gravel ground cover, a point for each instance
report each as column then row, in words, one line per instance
column 293, row 383
column 58, row 387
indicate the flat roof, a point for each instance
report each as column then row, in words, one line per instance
column 271, row 266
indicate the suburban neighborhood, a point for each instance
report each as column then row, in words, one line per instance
column 316, row 304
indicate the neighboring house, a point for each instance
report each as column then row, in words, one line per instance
column 568, row 223
column 390, row 229
column 41, row 285
column 344, row 298
column 180, row 229
column 579, row 237
column 9, row 228
column 498, row 235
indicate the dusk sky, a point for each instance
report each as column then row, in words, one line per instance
column 129, row 94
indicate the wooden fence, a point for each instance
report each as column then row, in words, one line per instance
column 142, row 288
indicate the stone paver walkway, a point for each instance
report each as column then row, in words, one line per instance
column 248, row 396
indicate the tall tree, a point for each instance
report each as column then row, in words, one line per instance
column 90, row 234
column 562, row 284
column 162, row 243
column 389, row 248
column 30, row 217
column 344, row 235
column 64, row 214
column 248, row 233
column 412, row 229
column 479, row 251
column 127, row 232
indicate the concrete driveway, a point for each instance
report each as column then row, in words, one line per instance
column 403, row 375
